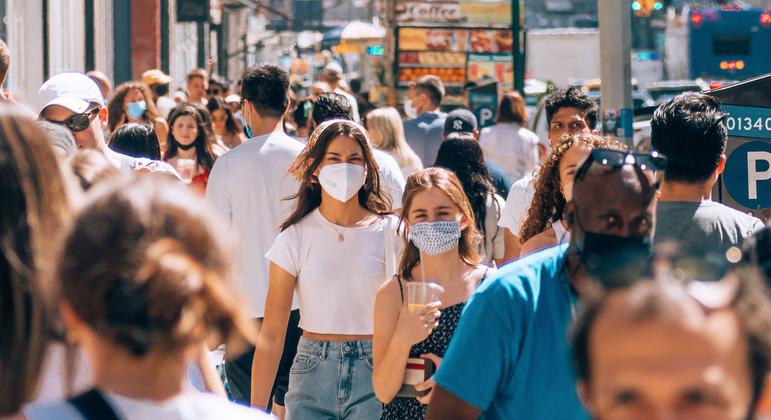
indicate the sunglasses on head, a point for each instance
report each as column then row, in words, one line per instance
column 79, row 122
column 615, row 159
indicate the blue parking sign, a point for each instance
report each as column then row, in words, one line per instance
column 747, row 174
column 483, row 101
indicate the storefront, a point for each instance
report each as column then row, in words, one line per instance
column 458, row 41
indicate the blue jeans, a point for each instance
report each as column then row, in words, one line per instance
column 332, row 380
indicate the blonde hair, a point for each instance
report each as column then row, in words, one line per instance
column 387, row 122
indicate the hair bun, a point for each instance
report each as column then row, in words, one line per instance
column 154, row 305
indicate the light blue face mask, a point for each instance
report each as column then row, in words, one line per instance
column 136, row 109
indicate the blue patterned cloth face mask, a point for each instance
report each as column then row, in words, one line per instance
column 434, row 238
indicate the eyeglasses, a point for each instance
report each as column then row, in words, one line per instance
column 653, row 161
column 78, row 122
column 213, row 91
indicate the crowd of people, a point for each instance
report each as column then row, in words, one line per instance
column 357, row 266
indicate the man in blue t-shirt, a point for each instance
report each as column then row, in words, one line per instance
column 509, row 358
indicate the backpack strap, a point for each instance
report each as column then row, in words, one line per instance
column 93, row 406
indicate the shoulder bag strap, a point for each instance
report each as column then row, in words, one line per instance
column 390, row 250
column 92, row 406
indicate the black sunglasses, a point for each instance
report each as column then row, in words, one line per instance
column 653, row 161
column 78, row 122
column 213, row 91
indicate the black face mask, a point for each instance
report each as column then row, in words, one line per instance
column 182, row 146
column 615, row 261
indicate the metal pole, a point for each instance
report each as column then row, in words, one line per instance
column 616, row 68
column 518, row 45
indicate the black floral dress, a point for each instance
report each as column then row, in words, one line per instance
column 402, row 408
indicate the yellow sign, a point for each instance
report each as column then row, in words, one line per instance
column 350, row 48
column 486, row 11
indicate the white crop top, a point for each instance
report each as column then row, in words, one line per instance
column 336, row 281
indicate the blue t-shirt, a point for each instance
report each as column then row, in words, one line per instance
column 509, row 356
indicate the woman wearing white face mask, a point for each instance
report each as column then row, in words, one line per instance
column 544, row 226
column 334, row 251
column 442, row 250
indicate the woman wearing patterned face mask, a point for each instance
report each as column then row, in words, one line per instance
column 334, row 251
column 132, row 102
column 442, row 249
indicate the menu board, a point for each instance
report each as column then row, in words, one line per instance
column 490, row 41
column 489, row 67
column 423, row 39
column 455, row 52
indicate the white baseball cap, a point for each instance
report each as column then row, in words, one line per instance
column 334, row 69
column 74, row 91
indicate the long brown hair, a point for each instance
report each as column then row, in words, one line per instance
column 548, row 202
column 33, row 211
column 146, row 267
column 304, row 167
column 115, row 111
column 204, row 154
column 512, row 109
column 446, row 181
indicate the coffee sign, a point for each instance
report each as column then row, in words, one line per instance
column 428, row 12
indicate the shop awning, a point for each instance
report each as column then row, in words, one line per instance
column 353, row 31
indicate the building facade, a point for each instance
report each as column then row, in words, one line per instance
column 121, row 38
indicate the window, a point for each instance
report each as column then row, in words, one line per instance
column 732, row 45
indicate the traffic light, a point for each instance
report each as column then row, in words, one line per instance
column 643, row 8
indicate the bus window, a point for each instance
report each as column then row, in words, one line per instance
column 731, row 45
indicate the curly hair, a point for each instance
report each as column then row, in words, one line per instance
column 548, row 202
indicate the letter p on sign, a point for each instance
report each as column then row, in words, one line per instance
column 753, row 175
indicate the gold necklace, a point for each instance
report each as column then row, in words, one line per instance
column 340, row 235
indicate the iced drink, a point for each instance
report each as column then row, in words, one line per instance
column 420, row 294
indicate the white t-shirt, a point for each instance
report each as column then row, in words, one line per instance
column 248, row 186
column 517, row 203
column 336, row 281
column 191, row 405
column 512, row 147
column 165, row 105
column 562, row 234
column 129, row 163
column 391, row 177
